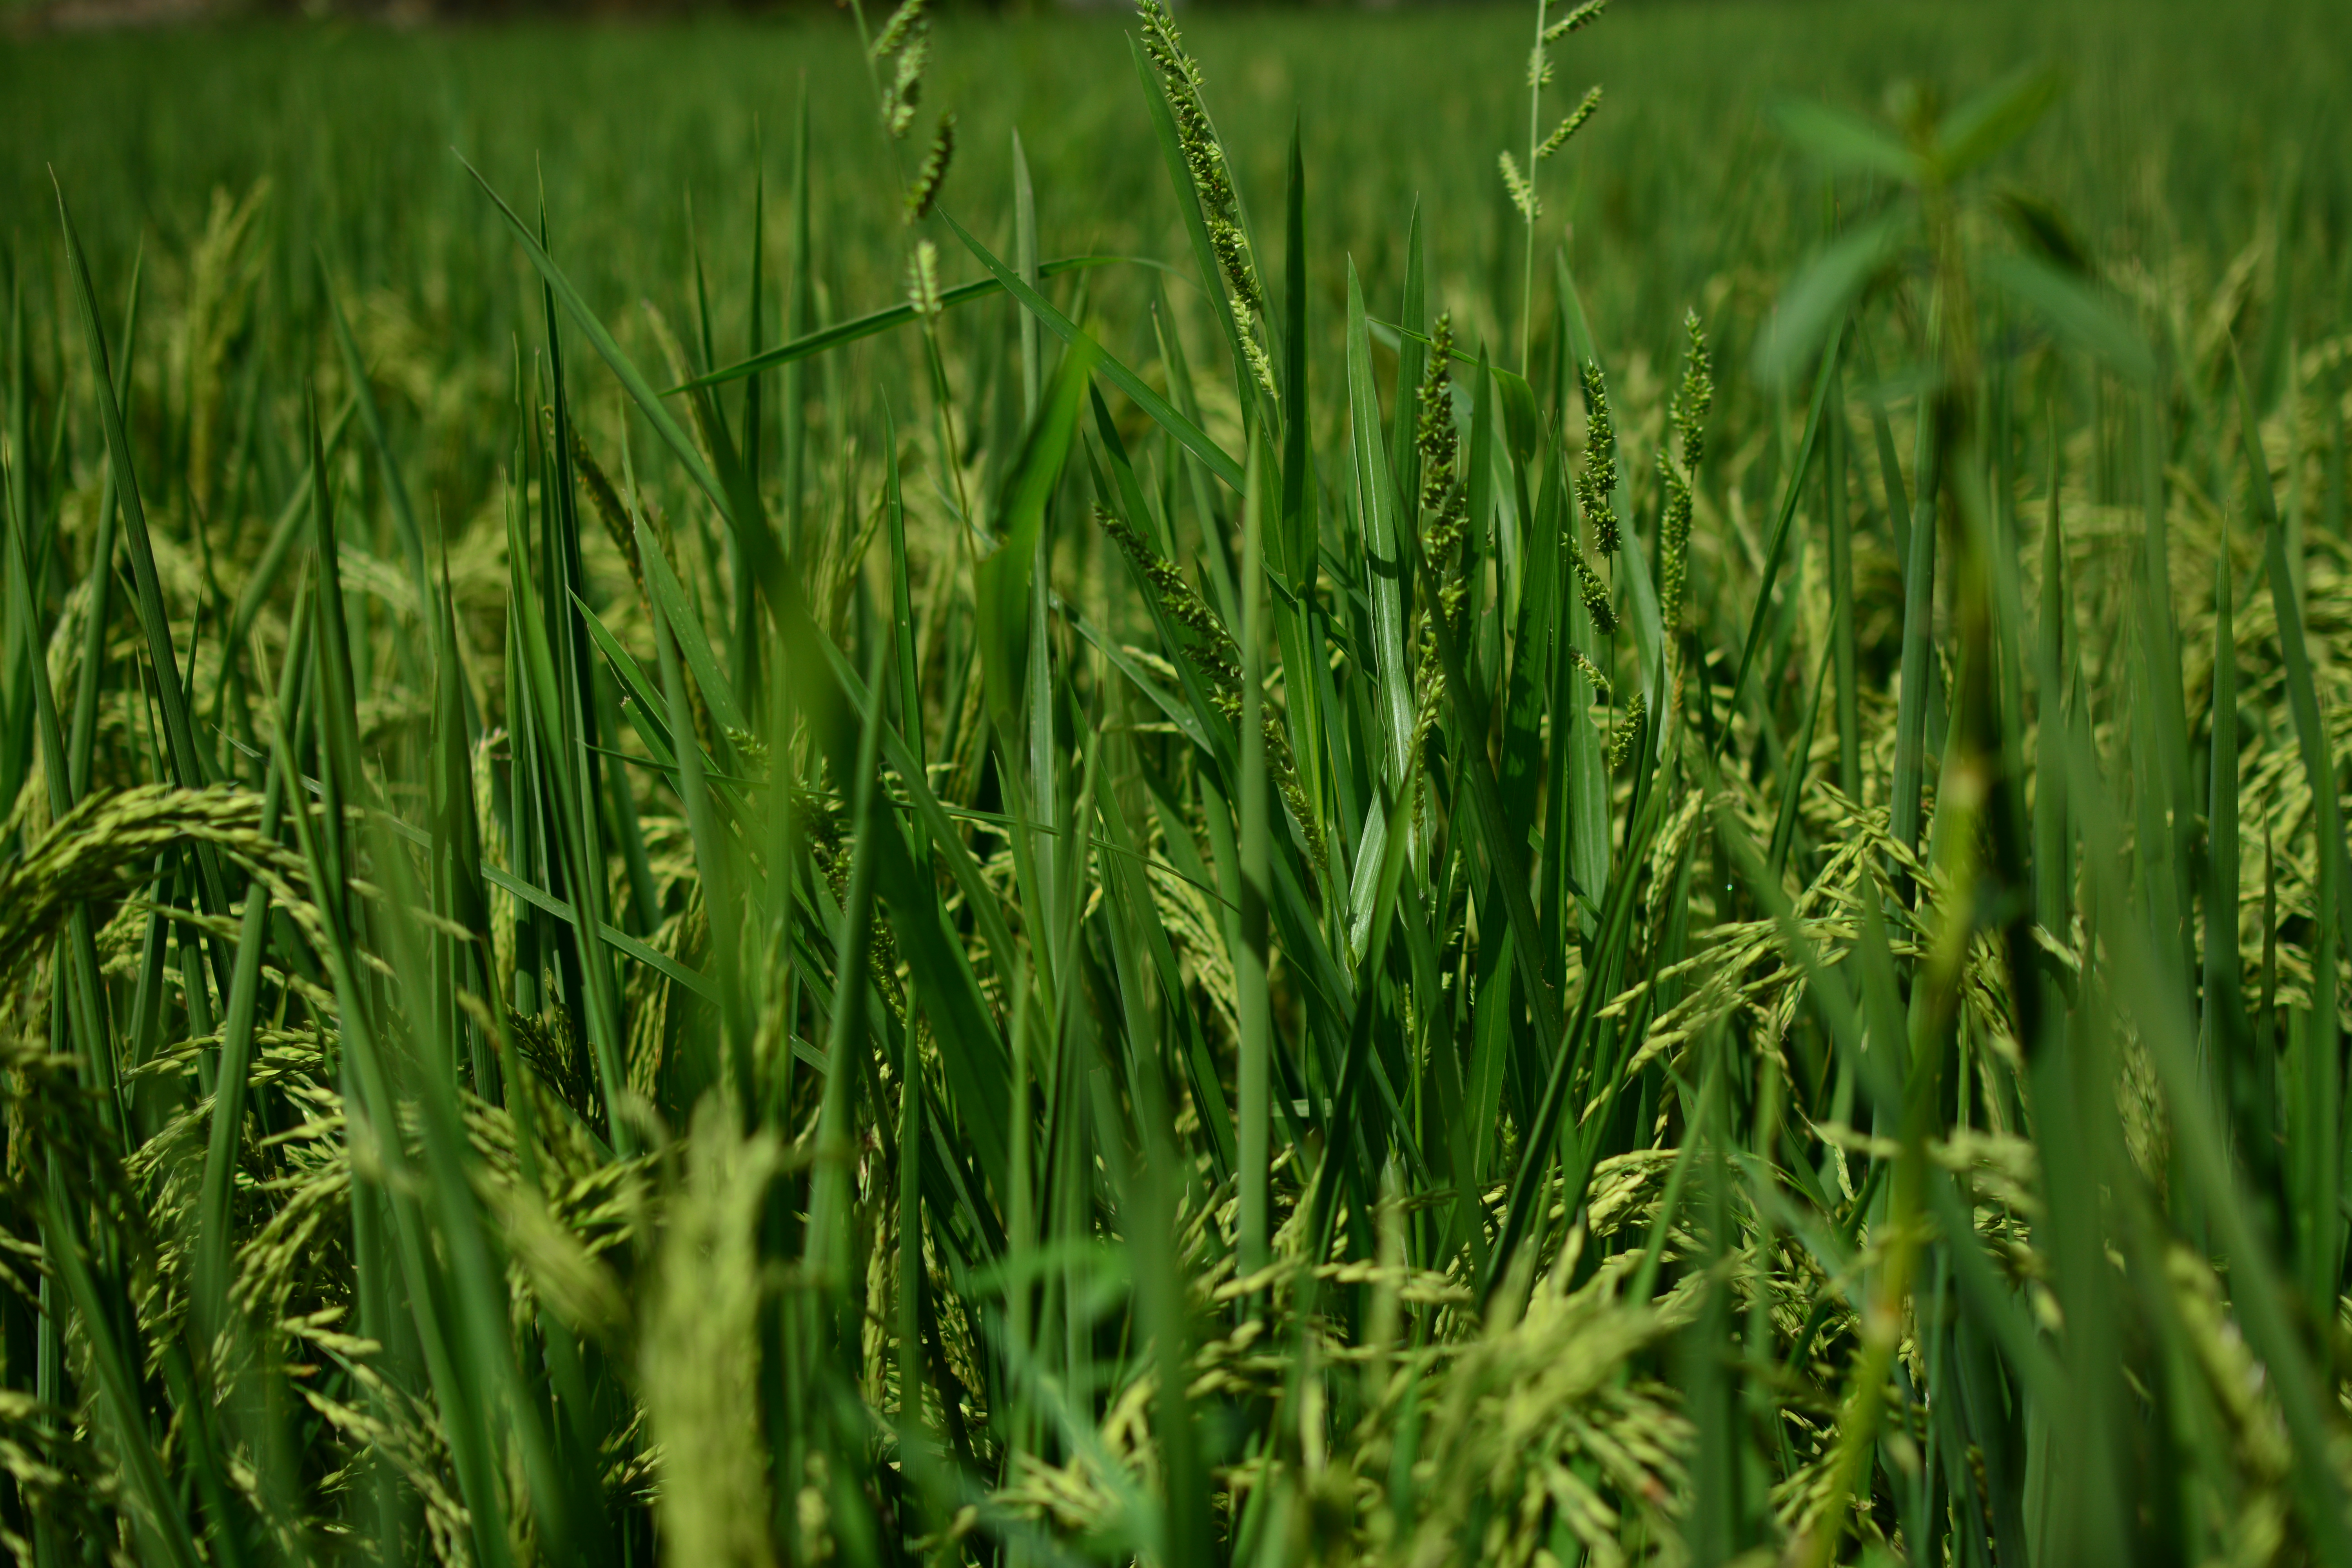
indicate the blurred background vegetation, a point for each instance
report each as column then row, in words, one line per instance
column 2193, row 134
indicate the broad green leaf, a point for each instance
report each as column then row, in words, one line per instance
column 1811, row 307
column 1843, row 139
column 2074, row 310
column 1973, row 133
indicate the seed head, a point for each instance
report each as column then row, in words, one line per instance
column 909, row 36
column 1233, row 251
column 1583, row 16
column 1261, row 366
column 1596, row 488
column 1218, row 658
column 907, row 19
column 1591, row 671
column 1571, row 125
column 1523, row 195
column 1165, row 45
column 1695, row 396
column 1205, row 160
column 1673, row 538
column 936, row 158
column 1165, row 48
column 1213, row 651
column 1620, row 739
column 1594, row 591
column 1433, row 436
column 1691, row 403
column 923, row 279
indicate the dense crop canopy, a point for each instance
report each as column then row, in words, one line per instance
column 1179, row 905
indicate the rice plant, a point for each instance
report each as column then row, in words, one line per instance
column 1120, row 908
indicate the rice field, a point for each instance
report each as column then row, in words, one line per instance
column 1246, row 789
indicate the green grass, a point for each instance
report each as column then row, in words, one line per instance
column 1662, row 887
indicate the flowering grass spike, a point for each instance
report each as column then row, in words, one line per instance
column 1596, row 484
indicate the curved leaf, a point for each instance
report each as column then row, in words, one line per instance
column 1812, row 306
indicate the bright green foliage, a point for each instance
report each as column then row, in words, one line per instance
column 1060, row 906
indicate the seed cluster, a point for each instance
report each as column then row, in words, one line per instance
column 1591, row 672
column 1596, row 498
column 1217, row 657
column 1204, row 159
column 1629, row 727
column 1523, row 195
column 1571, row 125
column 1443, row 497
column 1692, row 401
column 1438, row 443
column 1521, row 185
column 934, row 170
column 1596, row 486
column 923, row 279
column 907, row 36
column 1593, row 590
